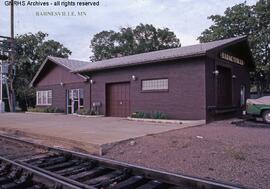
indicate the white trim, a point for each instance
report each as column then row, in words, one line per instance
column 71, row 97
column 42, row 98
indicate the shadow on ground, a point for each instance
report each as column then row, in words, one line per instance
column 251, row 123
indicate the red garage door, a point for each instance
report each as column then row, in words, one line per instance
column 118, row 100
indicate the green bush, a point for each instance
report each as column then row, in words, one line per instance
column 46, row 110
column 58, row 110
column 158, row 115
column 140, row 115
column 145, row 115
column 87, row 112
column 35, row 109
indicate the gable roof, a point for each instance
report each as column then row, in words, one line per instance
column 69, row 64
column 158, row 56
column 78, row 67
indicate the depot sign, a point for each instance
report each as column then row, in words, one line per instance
column 231, row 58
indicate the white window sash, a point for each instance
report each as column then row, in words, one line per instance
column 155, row 84
column 44, row 98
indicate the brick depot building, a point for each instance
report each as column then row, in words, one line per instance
column 198, row 82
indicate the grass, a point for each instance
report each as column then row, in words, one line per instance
column 175, row 143
column 237, row 154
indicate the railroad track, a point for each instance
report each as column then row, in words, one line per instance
column 28, row 165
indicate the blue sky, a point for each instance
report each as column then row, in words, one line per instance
column 187, row 18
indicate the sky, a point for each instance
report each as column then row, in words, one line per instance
column 187, row 18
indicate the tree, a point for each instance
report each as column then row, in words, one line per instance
column 128, row 41
column 32, row 50
column 254, row 22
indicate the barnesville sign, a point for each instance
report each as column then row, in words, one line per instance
column 233, row 59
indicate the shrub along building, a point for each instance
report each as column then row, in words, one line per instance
column 198, row 82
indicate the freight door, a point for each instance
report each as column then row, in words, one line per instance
column 224, row 88
column 118, row 100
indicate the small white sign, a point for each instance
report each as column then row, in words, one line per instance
column 4, row 68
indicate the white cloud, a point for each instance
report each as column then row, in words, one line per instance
column 187, row 18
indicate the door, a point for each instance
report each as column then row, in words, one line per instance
column 242, row 96
column 75, row 100
column 224, row 88
column 118, row 100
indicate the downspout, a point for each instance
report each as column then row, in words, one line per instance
column 90, row 96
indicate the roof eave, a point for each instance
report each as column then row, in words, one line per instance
column 140, row 63
column 244, row 38
column 42, row 66
column 38, row 72
column 86, row 78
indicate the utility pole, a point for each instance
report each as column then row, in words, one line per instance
column 12, row 19
column 5, row 50
column 3, row 58
column 1, row 86
column 11, row 72
column 8, row 55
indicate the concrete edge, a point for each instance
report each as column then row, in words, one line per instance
column 75, row 145
column 87, row 116
column 168, row 121
column 44, row 113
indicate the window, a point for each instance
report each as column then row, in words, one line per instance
column 81, row 97
column 155, row 84
column 44, row 97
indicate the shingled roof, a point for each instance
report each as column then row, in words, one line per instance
column 77, row 66
column 69, row 64
column 158, row 56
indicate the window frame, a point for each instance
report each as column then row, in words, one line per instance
column 154, row 90
column 70, row 98
column 44, row 97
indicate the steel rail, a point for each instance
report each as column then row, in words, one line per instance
column 161, row 176
column 41, row 176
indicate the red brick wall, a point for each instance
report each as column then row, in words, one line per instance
column 54, row 74
column 242, row 78
column 184, row 100
column 59, row 94
column 51, row 79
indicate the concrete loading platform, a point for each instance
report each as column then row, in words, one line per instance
column 92, row 135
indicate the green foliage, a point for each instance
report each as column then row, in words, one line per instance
column 128, row 41
column 46, row 110
column 138, row 115
column 158, row 115
column 152, row 115
column 86, row 112
column 32, row 50
column 254, row 22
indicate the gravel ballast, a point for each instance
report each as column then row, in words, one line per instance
column 219, row 150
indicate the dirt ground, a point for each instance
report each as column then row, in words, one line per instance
column 219, row 150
